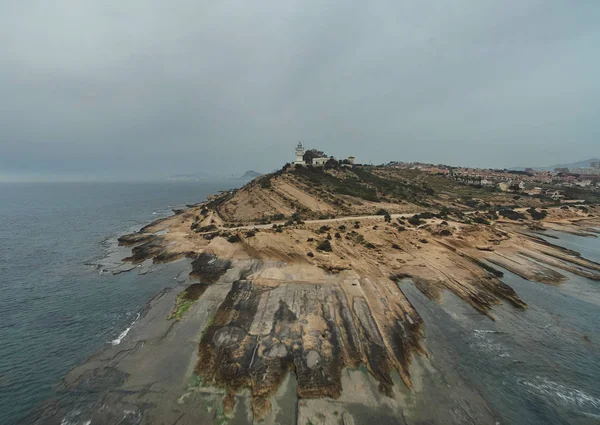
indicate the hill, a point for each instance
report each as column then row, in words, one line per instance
column 249, row 175
column 320, row 192
column 305, row 270
column 579, row 164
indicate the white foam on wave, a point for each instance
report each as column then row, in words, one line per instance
column 483, row 339
column 561, row 393
column 123, row 334
column 74, row 418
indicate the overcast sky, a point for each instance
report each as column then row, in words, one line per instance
column 150, row 88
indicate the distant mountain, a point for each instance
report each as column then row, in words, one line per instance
column 199, row 176
column 249, row 175
column 579, row 164
column 192, row 177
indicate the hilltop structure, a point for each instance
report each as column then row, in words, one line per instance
column 317, row 161
column 299, row 155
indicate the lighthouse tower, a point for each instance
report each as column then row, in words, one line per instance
column 299, row 154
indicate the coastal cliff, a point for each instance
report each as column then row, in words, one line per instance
column 296, row 302
column 317, row 260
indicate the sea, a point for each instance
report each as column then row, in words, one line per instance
column 57, row 306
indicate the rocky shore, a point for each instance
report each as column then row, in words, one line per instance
column 273, row 325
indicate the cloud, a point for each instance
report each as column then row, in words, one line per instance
column 152, row 88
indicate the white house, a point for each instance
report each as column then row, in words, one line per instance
column 584, row 183
column 319, row 162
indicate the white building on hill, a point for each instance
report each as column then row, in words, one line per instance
column 299, row 154
column 318, row 162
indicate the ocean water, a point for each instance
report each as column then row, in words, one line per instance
column 55, row 308
column 540, row 366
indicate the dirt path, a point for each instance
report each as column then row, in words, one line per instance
column 325, row 220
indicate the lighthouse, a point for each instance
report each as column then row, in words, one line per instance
column 299, row 154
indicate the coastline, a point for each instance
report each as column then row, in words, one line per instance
column 144, row 379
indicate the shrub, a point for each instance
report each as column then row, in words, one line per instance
column 323, row 229
column 537, row 215
column 234, row 239
column 415, row 220
column 251, row 233
column 395, row 246
column 480, row 220
column 325, row 246
column 444, row 212
column 209, row 228
column 369, row 245
column 382, row 211
column 337, row 235
column 265, row 182
column 310, row 254
column 511, row 214
column 342, row 228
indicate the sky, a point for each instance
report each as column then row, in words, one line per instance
column 144, row 89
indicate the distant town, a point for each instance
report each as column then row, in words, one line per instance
column 529, row 181
column 552, row 184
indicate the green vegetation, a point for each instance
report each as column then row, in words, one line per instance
column 203, row 229
column 537, row 215
column 196, row 381
column 180, row 309
column 479, row 219
column 325, row 246
column 185, row 299
column 351, row 186
column 511, row 214
column 415, row 220
column 234, row 239
column 396, row 188
column 210, row 322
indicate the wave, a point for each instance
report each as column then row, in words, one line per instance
column 565, row 395
column 123, row 334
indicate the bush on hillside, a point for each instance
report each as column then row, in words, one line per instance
column 325, row 246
